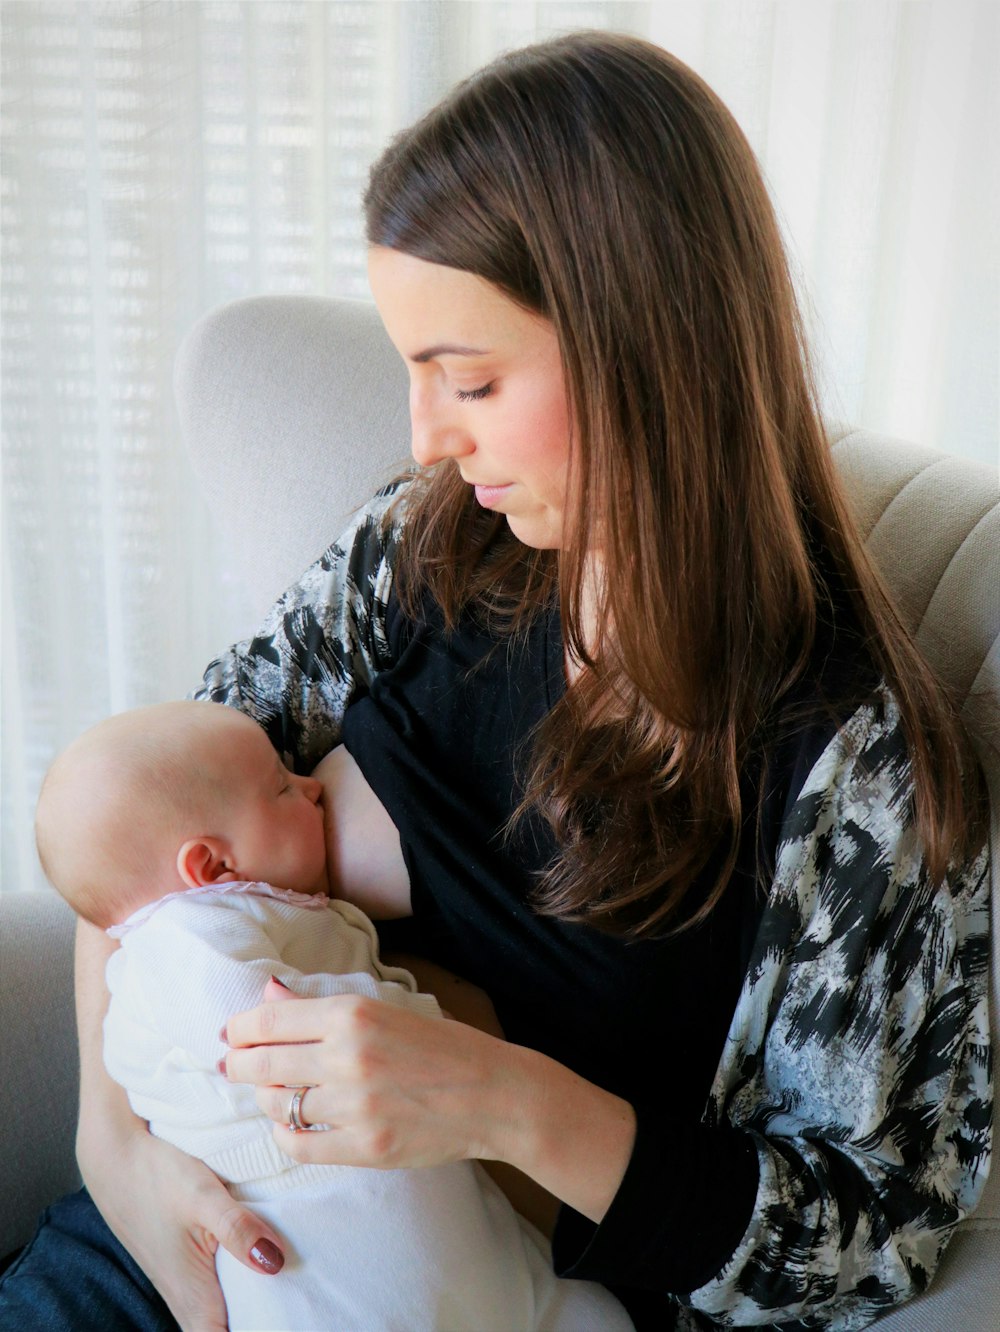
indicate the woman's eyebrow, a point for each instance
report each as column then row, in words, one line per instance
column 447, row 349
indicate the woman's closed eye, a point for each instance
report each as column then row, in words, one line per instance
column 474, row 395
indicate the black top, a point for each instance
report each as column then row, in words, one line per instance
column 438, row 738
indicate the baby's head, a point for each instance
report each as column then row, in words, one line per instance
column 174, row 796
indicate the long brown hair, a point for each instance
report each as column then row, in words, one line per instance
column 597, row 180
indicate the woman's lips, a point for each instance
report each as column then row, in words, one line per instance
column 488, row 495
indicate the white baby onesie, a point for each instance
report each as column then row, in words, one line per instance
column 429, row 1250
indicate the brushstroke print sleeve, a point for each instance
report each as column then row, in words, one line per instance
column 321, row 642
column 858, row 1058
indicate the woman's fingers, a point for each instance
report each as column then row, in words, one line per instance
column 336, row 1147
column 248, row 1239
column 191, row 1286
column 171, row 1213
column 284, row 1022
column 300, row 1043
column 193, row 1296
column 397, row 1088
column 275, row 1102
column 275, row 1065
column 275, row 991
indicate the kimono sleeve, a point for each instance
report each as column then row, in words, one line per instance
column 859, row 1056
column 321, row 642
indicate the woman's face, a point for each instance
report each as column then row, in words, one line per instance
column 486, row 388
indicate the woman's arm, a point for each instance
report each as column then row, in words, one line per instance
column 465, row 1002
column 404, row 1090
column 858, row 1058
column 571, row 1137
column 168, row 1210
column 105, row 1114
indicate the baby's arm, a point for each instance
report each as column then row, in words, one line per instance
column 188, row 969
column 364, row 861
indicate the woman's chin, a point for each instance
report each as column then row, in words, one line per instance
column 540, row 532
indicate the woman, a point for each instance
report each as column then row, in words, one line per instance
column 671, row 781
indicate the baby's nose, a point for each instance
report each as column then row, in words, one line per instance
column 313, row 788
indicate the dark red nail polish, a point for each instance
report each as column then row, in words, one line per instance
column 267, row 1256
column 223, row 1035
column 221, row 1066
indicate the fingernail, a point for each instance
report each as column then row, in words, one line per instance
column 224, row 1036
column 281, row 983
column 267, row 1256
column 221, row 1066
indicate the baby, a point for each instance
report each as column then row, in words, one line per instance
column 178, row 829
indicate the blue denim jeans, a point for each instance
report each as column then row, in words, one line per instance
column 74, row 1276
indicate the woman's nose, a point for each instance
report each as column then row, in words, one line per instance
column 435, row 435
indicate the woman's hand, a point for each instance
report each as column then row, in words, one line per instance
column 401, row 1089
column 397, row 1088
column 171, row 1213
column 167, row 1209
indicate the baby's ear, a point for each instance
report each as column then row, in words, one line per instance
column 205, row 860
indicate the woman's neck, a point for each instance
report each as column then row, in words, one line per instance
column 589, row 619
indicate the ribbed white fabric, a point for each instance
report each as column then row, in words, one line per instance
column 161, row 159
column 435, row 1250
column 193, row 963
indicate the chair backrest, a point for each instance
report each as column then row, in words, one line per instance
column 931, row 522
column 295, row 408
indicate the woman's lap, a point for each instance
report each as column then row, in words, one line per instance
column 74, row 1276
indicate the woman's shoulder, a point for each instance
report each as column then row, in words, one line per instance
column 868, row 749
column 854, row 783
column 372, row 536
column 349, row 588
column 852, row 821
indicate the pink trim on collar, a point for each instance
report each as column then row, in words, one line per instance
column 311, row 901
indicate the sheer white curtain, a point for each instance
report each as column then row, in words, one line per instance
column 161, row 158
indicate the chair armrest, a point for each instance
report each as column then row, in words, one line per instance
column 40, row 1083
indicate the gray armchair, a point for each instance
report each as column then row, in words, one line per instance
column 294, row 409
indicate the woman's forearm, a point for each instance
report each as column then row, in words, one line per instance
column 562, row 1122
column 105, row 1114
column 408, row 1090
column 570, row 1136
